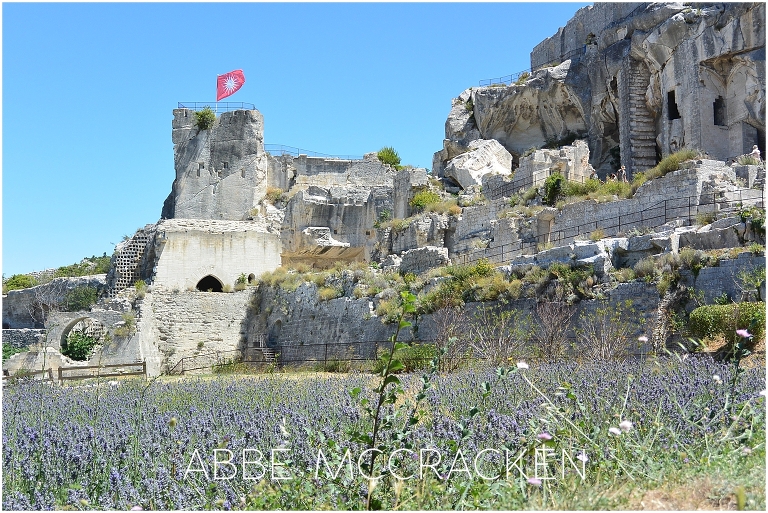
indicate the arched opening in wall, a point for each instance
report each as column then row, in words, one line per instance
column 80, row 336
column 210, row 284
column 274, row 333
column 251, row 279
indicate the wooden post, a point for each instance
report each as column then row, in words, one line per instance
column 61, row 375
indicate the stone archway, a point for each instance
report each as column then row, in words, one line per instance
column 87, row 326
column 210, row 283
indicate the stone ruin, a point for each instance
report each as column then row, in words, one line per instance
column 652, row 78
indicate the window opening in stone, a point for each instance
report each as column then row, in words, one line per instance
column 251, row 278
column 209, row 284
column 672, row 106
column 226, row 165
column 719, row 111
column 242, row 173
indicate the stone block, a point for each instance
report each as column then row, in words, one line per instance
column 485, row 156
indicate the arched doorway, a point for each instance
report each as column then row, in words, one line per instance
column 209, row 284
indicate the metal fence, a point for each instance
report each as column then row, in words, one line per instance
column 657, row 214
column 281, row 149
column 349, row 356
column 508, row 189
column 217, row 106
column 514, row 77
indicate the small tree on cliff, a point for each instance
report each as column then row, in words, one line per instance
column 388, row 155
column 204, row 119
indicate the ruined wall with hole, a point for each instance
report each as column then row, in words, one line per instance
column 130, row 261
column 187, row 251
column 185, row 324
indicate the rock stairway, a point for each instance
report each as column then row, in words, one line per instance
column 642, row 130
column 269, row 355
column 760, row 178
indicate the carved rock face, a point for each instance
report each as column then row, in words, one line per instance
column 522, row 116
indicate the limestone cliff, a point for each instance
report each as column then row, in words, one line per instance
column 640, row 81
column 220, row 172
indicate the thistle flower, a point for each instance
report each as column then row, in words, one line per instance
column 522, row 365
column 743, row 333
column 643, row 339
column 544, row 436
column 625, row 425
column 614, row 430
column 534, row 481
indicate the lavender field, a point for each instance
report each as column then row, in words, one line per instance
column 560, row 436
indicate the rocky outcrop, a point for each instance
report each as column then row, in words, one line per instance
column 220, row 172
column 640, row 80
column 547, row 107
column 482, row 158
column 460, row 130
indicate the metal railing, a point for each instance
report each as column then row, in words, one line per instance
column 507, row 79
column 217, row 106
column 281, row 149
column 96, row 371
column 658, row 214
column 331, row 355
column 514, row 77
column 508, row 189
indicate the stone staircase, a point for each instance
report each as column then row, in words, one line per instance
column 760, row 178
column 269, row 355
column 642, row 130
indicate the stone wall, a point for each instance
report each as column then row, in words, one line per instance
column 713, row 282
column 593, row 19
column 189, row 324
column 22, row 338
column 21, row 307
column 189, row 250
column 570, row 161
column 330, row 172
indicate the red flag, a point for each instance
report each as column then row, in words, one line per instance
column 228, row 83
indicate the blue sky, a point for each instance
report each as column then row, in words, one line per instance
column 89, row 89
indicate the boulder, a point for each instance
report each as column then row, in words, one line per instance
column 484, row 157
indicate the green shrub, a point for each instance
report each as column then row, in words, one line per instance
column 530, row 194
column 597, row 235
column 78, row 346
column 581, row 189
column 18, row 281
column 9, row 350
column 620, row 189
column 424, row 198
column 328, row 293
column 523, row 78
column 414, row 357
column 80, row 298
column 205, row 118
column 747, row 160
column 710, row 321
column 671, row 163
column 275, row 195
column 388, row 155
column 552, row 187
